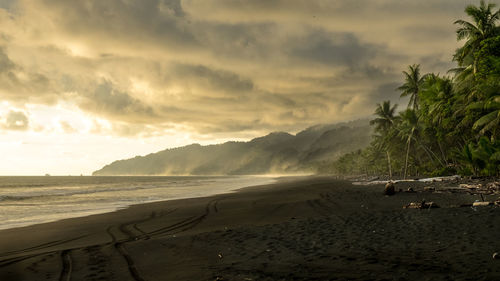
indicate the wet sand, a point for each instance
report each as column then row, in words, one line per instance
column 298, row 229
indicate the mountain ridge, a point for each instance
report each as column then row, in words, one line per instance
column 274, row 153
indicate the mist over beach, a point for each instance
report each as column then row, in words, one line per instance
column 220, row 140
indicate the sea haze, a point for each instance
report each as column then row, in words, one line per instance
column 33, row 200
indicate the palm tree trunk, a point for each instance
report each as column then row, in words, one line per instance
column 431, row 154
column 407, row 154
column 442, row 153
column 389, row 163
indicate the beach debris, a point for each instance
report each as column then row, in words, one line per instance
column 410, row 189
column 220, row 255
column 470, row 186
column 429, row 188
column 435, row 179
column 421, row 205
column 480, row 204
column 496, row 256
column 493, row 186
column 390, row 189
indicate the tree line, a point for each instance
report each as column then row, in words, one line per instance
column 451, row 124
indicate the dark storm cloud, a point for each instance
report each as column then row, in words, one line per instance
column 387, row 91
column 7, row 4
column 108, row 100
column 137, row 22
column 217, row 79
column 6, row 65
column 220, row 66
column 439, row 63
column 239, row 41
column 15, row 120
column 333, row 48
column 18, row 84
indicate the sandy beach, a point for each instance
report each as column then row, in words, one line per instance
column 316, row 228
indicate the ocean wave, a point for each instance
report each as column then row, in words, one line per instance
column 15, row 198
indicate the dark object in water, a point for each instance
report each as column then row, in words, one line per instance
column 390, row 189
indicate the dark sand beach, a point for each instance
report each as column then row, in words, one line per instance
column 298, row 229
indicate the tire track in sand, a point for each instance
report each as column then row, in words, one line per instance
column 67, row 266
column 119, row 246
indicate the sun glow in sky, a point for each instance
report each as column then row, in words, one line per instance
column 84, row 83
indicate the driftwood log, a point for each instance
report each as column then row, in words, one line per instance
column 421, row 205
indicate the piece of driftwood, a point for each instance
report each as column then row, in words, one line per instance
column 421, row 205
column 470, row 186
column 480, row 204
column 429, row 188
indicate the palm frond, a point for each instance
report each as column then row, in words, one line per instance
column 485, row 120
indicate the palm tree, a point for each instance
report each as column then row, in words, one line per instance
column 407, row 130
column 413, row 84
column 383, row 124
column 491, row 120
column 482, row 27
column 437, row 99
column 386, row 117
column 438, row 91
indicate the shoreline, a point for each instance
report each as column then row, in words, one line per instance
column 276, row 181
column 312, row 228
column 212, row 185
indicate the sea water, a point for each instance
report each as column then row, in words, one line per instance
column 33, row 200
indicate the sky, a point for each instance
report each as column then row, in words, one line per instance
column 87, row 82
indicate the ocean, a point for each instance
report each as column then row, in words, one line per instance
column 32, row 200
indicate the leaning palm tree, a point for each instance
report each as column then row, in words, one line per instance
column 482, row 27
column 490, row 121
column 438, row 91
column 408, row 129
column 413, row 83
column 437, row 99
column 383, row 123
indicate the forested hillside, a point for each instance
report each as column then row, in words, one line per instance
column 451, row 124
column 309, row 151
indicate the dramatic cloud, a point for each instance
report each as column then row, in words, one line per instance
column 216, row 68
column 334, row 49
column 18, row 84
column 16, row 120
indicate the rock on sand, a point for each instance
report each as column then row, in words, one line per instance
column 390, row 189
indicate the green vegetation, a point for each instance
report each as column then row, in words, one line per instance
column 451, row 124
column 309, row 151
